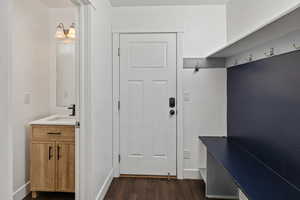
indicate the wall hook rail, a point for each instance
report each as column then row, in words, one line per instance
column 271, row 53
column 197, row 67
column 296, row 47
column 196, row 64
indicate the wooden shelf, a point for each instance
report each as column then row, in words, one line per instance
column 279, row 26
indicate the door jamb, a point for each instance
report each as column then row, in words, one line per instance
column 116, row 97
column 84, row 98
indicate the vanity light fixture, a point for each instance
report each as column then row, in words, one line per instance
column 62, row 33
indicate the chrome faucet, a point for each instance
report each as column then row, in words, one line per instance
column 73, row 108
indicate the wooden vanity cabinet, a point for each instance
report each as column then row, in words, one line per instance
column 65, row 166
column 52, row 159
column 42, row 166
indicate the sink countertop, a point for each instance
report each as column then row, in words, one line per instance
column 60, row 120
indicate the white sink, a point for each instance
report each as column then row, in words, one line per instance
column 61, row 118
column 56, row 120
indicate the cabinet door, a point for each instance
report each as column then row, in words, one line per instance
column 42, row 166
column 65, row 166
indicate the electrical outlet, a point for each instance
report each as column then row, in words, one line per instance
column 186, row 154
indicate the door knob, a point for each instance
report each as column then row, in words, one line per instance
column 172, row 112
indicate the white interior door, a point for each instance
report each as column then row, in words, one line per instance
column 147, row 124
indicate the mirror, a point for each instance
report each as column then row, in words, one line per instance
column 65, row 74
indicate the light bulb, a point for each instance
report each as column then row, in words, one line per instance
column 60, row 34
column 72, row 32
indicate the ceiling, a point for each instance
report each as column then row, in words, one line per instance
column 164, row 2
column 58, row 3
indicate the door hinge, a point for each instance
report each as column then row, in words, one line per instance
column 119, row 53
column 119, row 105
column 119, row 158
column 77, row 124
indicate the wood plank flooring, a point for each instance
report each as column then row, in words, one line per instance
column 143, row 189
column 52, row 196
column 155, row 189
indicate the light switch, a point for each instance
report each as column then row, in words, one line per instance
column 27, row 98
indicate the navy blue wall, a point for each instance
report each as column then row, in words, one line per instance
column 264, row 111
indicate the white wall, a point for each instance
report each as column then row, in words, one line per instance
column 205, row 106
column 30, row 76
column 100, row 161
column 204, row 26
column 244, row 16
column 5, row 134
column 67, row 16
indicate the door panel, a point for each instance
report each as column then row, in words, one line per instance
column 147, row 81
column 65, row 157
column 148, row 54
column 158, row 126
column 135, row 118
column 43, row 166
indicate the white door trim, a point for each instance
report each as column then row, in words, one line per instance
column 84, row 98
column 83, row 183
column 116, row 97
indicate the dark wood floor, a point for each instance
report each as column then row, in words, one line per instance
column 155, row 189
column 52, row 196
column 143, row 189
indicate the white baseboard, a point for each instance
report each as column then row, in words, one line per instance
column 192, row 174
column 22, row 192
column 101, row 194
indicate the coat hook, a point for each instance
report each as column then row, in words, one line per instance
column 296, row 47
column 250, row 58
column 271, row 53
column 236, row 62
column 197, row 67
